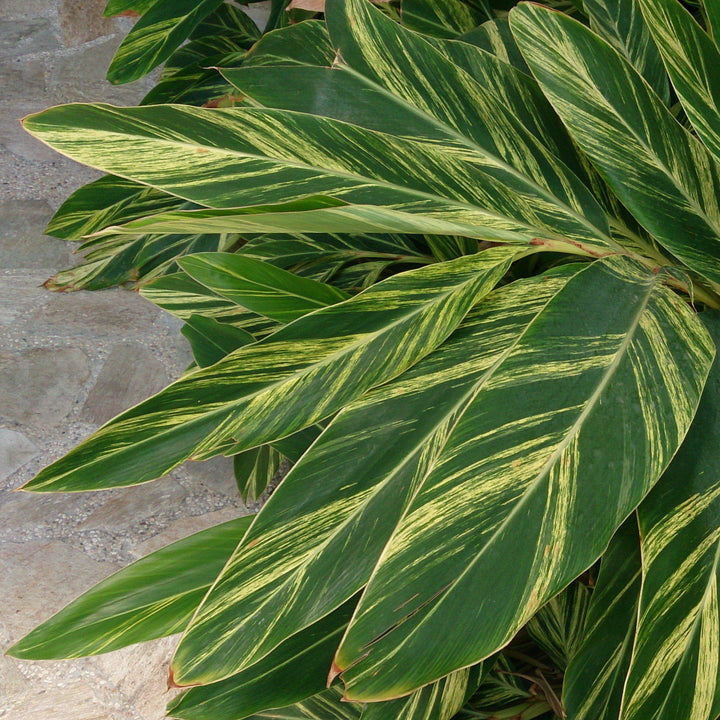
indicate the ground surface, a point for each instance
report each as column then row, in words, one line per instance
column 69, row 362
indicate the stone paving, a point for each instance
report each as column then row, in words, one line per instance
column 69, row 362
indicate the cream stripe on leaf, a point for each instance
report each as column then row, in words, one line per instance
column 417, row 74
column 259, row 286
column 558, row 626
column 161, row 29
column 621, row 23
column 316, row 541
column 675, row 669
column 692, row 61
column 440, row 700
column 154, row 597
column 612, row 368
column 442, row 18
column 495, row 36
column 237, row 157
column 302, row 373
column 108, row 201
column 712, row 13
column 595, row 677
column 183, row 297
column 293, row 672
column 663, row 174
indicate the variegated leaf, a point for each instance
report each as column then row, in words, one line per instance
column 326, row 705
column 558, row 626
column 438, row 701
column 712, row 13
column 183, row 297
column 153, row 597
column 108, row 201
column 612, row 368
column 213, row 157
column 496, row 38
column 692, row 61
column 595, row 677
column 621, row 23
column 664, row 175
column 675, row 668
column 259, row 286
column 293, row 672
column 441, row 18
column 315, row 542
column 307, row 43
column 302, row 373
column 161, row 29
column 254, row 469
column 211, row 340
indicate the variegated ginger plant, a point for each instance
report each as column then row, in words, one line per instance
column 467, row 282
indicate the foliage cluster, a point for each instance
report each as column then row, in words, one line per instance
column 458, row 262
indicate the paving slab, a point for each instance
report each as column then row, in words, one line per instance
column 20, row 243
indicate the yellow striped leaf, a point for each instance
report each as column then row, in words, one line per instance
column 441, row 18
column 664, row 175
column 153, row 597
column 316, row 541
column 440, row 700
column 294, row 672
column 612, row 367
column 595, row 677
column 254, row 469
column 621, row 23
column 558, row 626
column 692, row 60
column 712, row 13
column 260, row 287
column 675, row 668
column 302, row 373
column 161, row 29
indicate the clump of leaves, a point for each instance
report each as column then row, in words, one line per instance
column 470, row 289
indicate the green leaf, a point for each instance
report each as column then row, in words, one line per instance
column 441, row 18
column 665, row 177
column 294, row 446
column 212, row 157
column 612, row 367
column 307, row 43
column 162, row 28
column 107, row 201
column 183, row 297
column 259, row 286
column 558, row 626
column 675, row 669
column 712, row 13
column 211, row 340
column 315, row 542
column 691, row 59
column 118, row 258
column 152, row 598
column 595, row 676
column 293, row 672
column 495, row 37
column 438, row 701
column 289, row 380
column 254, row 469
column 621, row 23
column 326, row 705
